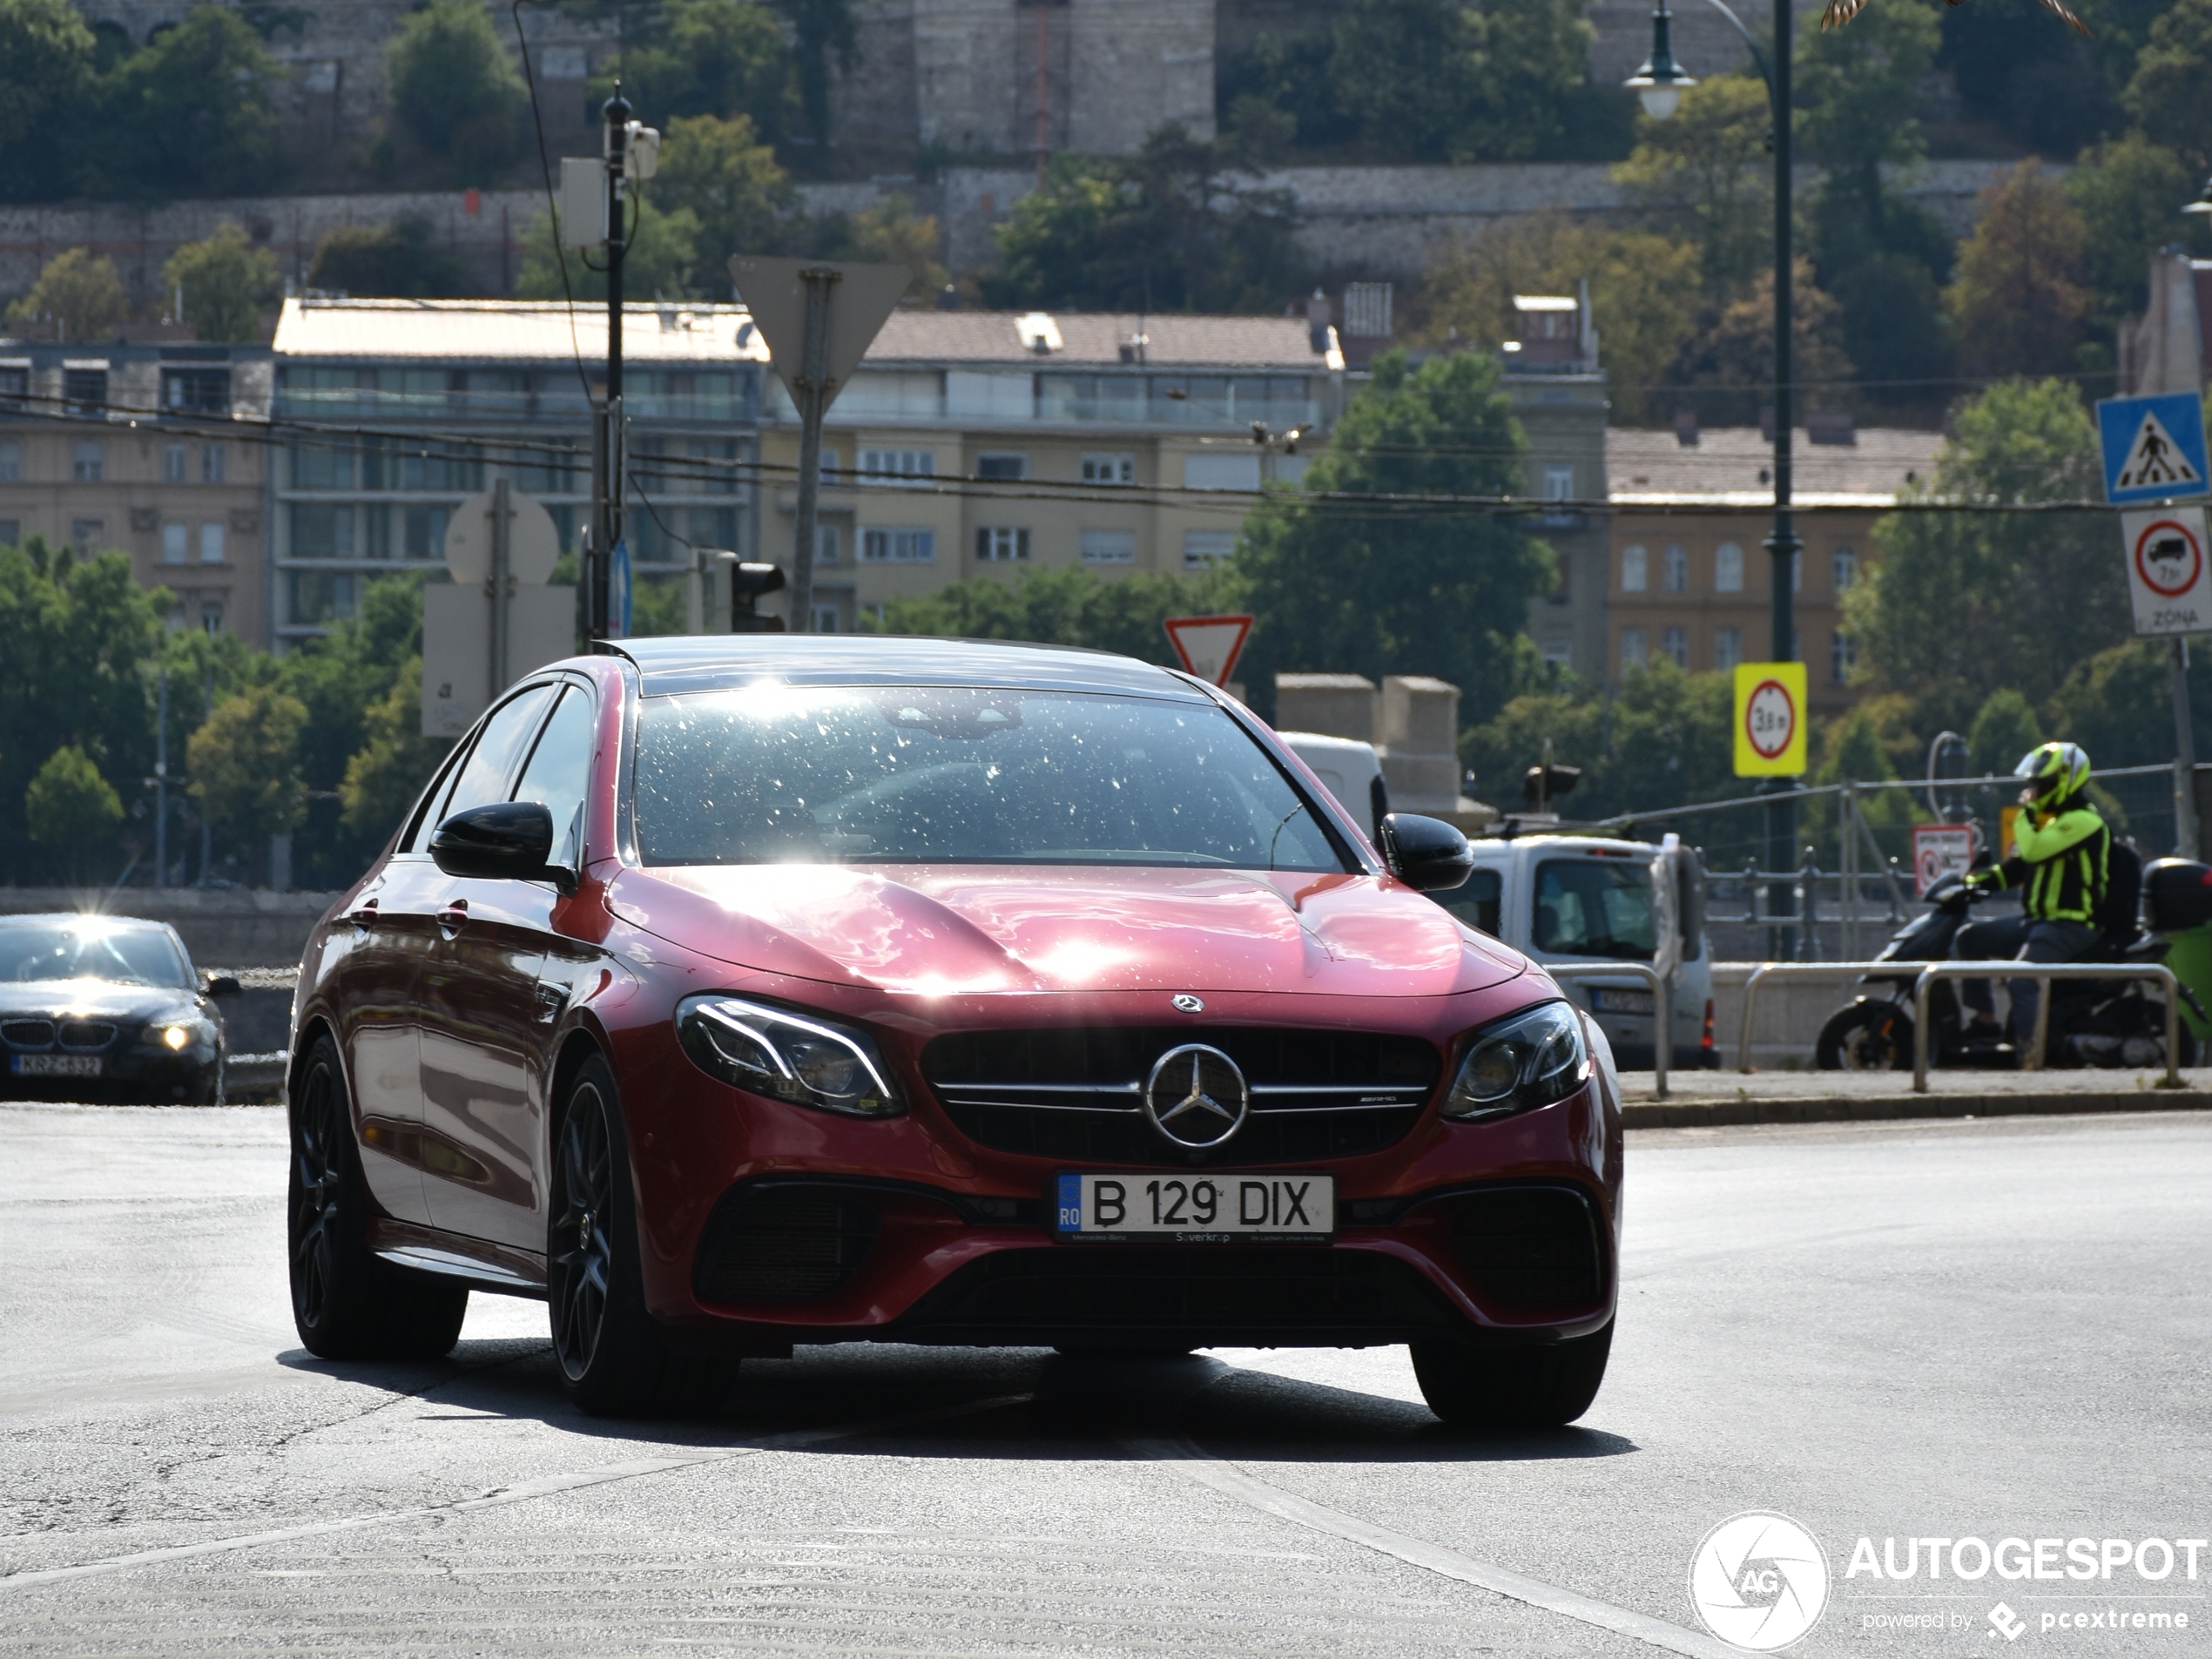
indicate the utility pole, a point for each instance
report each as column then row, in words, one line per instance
column 500, row 587
column 161, row 783
column 608, row 449
column 815, row 393
column 1782, row 544
column 2186, row 831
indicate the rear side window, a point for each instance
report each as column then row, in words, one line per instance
column 1477, row 903
column 559, row 767
column 1595, row 907
column 483, row 775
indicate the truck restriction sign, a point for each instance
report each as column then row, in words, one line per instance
column 1939, row 850
column 1769, row 719
column 2168, row 579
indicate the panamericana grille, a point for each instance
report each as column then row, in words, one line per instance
column 86, row 1034
column 1072, row 1092
column 1530, row 1246
column 783, row 1243
column 29, row 1034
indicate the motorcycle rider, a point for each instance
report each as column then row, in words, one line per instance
column 2062, row 867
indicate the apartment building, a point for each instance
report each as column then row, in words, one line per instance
column 130, row 447
column 990, row 442
column 1557, row 386
column 1697, row 586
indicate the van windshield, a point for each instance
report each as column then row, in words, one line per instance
column 1595, row 908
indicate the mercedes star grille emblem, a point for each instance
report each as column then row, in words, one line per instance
column 1187, row 1003
column 1196, row 1097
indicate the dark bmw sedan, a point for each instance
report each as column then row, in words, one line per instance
column 104, row 1007
column 735, row 993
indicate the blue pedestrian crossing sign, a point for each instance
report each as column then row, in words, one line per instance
column 2153, row 447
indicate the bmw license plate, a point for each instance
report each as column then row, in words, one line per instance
column 57, row 1065
column 1605, row 999
column 1296, row 1207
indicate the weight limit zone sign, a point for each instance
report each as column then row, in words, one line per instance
column 2167, row 580
column 1769, row 719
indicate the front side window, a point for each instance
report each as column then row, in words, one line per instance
column 942, row 775
column 558, row 770
column 483, row 776
column 1595, row 907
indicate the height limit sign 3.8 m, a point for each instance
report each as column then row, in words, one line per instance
column 1769, row 719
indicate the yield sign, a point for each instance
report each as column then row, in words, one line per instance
column 861, row 299
column 2153, row 447
column 1209, row 645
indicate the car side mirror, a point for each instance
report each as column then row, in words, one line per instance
column 1426, row 854
column 508, row 839
column 224, row 985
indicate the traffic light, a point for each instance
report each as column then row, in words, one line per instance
column 1541, row 785
column 748, row 581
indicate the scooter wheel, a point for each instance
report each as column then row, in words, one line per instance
column 1867, row 1037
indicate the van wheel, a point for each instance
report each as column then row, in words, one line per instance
column 1547, row 1387
column 1869, row 1036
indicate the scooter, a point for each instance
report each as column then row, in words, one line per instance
column 2094, row 1022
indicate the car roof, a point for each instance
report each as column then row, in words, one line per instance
column 709, row 662
column 82, row 918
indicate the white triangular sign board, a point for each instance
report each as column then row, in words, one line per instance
column 2155, row 459
column 861, row 299
column 1209, row 645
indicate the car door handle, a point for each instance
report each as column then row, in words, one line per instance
column 453, row 917
column 364, row 916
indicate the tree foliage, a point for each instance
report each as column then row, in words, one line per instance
column 1662, row 740
column 1707, row 162
column 826, row 40
column 397, row 261
column 226, row 280
column 717, row 170
column 191, row 113
column 78, row 291
column 662, row 260
column 1725, row 368
column 709, row 58
column 2126, row 192
column 245, row 763
column 2019, row 296
column 1066, row 606
column 1381, row 589
column 72, row 813
column 453, row 90
column 46, row 66
column 2167, row 93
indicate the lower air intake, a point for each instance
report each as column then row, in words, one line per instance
column 783, row 1243
column 1531, row 1247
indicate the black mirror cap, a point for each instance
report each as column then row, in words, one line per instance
column 510, row 840
column 224, row 985
column 1426, row 854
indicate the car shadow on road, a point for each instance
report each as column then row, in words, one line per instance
column 1025, row 1404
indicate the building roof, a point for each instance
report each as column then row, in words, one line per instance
column 1731, row 466
column 464, row 331
column 1094, row 338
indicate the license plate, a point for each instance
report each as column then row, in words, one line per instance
column 1611, row 1001
column 1197, row 1209
column 57, row 1065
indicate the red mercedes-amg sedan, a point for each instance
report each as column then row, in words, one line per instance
column 742, row 992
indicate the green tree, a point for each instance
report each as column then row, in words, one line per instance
column 1855, row 753
column 395, row 760
column 889, row 231
column 1725, row 369
column 1709, row 162
column 1067, row 606
column 2167, row 94
column 2128, row 194
column 825, row 38
column 716, row 170
column 46, row 66
column 396, row 261
column 78, row 291
column 1440, row 80
column 662, row 261
column 244, row 766
column 194, row 113
column 1643, row 295
column 2019, row 295
column 1962, row 602
column 454, row 89
column 226, row 281
column 1390, row 588
column 2004, row 728
column 2116, row 704
column 1181, row 226
column 1661, row 741
column 72, row 811
column 709, row 58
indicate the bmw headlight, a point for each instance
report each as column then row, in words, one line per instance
column 176, row 1035
column 1530, row 1059
column 770, row 1051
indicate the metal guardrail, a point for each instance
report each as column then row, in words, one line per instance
column 1662, row 1006
column 2156, row 973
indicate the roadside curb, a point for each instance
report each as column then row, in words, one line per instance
column 1696, row 1114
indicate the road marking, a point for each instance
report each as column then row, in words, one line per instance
column 525, row 1492
column 1194, row 1463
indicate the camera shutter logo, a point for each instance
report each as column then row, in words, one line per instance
column 1759, row 1580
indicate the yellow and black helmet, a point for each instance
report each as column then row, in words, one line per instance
column 2054, row 771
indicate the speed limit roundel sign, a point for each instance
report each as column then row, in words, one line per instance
column 1769, row 719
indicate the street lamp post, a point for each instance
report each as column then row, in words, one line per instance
column 1660, row 85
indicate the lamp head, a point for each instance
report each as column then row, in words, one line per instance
column 1660, row 83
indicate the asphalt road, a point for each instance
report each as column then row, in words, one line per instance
column 1953, row 1330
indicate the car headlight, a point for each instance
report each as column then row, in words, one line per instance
column 1529, row 1059
column 176, row 1035
column 786, row 1057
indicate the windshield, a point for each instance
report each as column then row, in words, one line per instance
column 1595, row 907
column 895, row 774
column 46, row 950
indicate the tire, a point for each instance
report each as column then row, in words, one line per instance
column 615, row 1360
column 1548, row 1387
column 1869, row 1036
column 346, row 1304
column 1087, row 1350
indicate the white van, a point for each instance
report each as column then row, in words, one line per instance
column 1567, row 899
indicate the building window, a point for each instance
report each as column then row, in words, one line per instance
column 828, row 619
column 14, row 386
column 11, row 532
column 898, row 547
column 1110, row 470
column 1002, row 467
column 1674, row 570
column 10, row 462
column 1843, row 569
column 1841, row 657
column 1635, row 569
column 827, row 544
column 1559, row 653
column 1204, row 548
column 211, row 464
column 85, row 535
column 1559, row 483
column 211, row 617
column 1634, row 651
column 1728, row 648
column 172, row 463
column 196, row 391
column 425, row 532
column 87, row 464
column 1221, row 472
column 1675, row 643
column 320, row 531
column 211, row 544
column 318, row 597
column 878, row 464
column 1002, row 546
column 175, row 540
column 830, row 464
column 1727, row 568
column 84, row 391
column 1109, row 547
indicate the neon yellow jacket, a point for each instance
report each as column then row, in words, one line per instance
column 2065, row 861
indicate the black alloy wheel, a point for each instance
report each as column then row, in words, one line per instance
column 1869, row 1036
column 615, row 1360
column 1506, row 1388
column 345, row 1302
